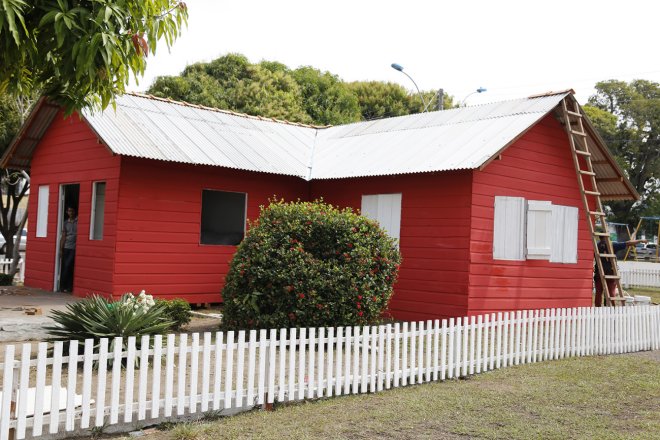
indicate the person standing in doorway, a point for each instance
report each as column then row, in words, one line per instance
column 68, row 249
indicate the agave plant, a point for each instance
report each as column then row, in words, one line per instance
column 95, row 317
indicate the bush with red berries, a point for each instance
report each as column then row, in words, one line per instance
column 310, row 264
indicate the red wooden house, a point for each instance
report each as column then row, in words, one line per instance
column 483, row 199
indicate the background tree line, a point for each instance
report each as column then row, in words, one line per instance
column 305, row 94
column 627, row 116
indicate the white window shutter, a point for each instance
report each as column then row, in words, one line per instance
column 386, row 210
column 370, row 207
column 42, row 211
column 564, row 234
column 509, row 228
column 539, row 230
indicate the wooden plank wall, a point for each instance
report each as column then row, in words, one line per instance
column 435, row 231
column 537, row 167
column 70, row 153
column 158, row 231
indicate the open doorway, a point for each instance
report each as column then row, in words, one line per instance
column 67, row 232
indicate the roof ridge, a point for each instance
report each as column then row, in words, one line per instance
column 229, row 112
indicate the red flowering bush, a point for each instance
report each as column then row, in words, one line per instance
column 309, row 264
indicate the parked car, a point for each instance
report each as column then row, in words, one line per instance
column 646, row 251
column 21, row 247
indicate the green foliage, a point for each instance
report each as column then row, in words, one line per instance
column 271, row 89
column 10, row 120
column 310, row 264
column 326, row 99
column 81, row 53
column 177, row 311
column 95, row 317
column 627, row 116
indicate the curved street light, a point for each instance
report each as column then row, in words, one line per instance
column 399, row 67
column 479, row 90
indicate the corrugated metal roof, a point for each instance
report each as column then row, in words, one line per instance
column 162, row 130
column 462, row 138
column 452, row 139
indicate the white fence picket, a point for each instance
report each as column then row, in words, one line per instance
column 181, row 377
column 217, row 370
column 169, row 376
column 240, row 364
column 87, row 383
column 194, row 373
column 142, row 377
column 271, row 366
column 155, row 375
column 7, row 392
column 330, row 371
column 21, row 411
column 37, row 422
column 206, row 370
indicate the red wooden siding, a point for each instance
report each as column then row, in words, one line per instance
column 158, row 231
column 435, row 231
column 70, row 153
column 537, row 167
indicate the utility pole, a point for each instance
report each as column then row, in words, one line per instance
column 441, row 99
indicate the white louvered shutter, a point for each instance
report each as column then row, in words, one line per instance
column 539, row 230
column 42, row 211
column 509, row 228
column 564, row 234
column 386, row 210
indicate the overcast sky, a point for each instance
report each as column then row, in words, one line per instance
column 512, row 48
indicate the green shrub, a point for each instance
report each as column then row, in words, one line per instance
column 6, row 280
column 178, row 311
column 307, row 264
column 95, row 317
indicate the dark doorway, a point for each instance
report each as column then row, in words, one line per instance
column 67, row 236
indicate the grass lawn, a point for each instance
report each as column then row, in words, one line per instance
column 605, row 397
column 653, row 292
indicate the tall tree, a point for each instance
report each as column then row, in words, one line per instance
column 627, row 115
column 81, row 53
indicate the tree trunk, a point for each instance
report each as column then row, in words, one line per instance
column 17, row 243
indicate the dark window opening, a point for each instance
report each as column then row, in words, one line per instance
column 223, row 217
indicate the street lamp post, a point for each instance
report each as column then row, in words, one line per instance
column 398, row 67
column 479, row 90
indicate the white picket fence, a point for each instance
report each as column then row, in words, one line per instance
column 5, row 264
column 57, row 393
column 640, row 278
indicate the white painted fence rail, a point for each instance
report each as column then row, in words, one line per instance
column 71, row 386
column 5, row 264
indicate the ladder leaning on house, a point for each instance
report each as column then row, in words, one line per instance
column 572, row 118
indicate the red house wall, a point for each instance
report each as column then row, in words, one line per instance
column 158, row 228
column 537, row 167
column 435, row 235
column 69, row 152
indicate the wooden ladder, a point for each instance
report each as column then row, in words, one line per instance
column 572, row 118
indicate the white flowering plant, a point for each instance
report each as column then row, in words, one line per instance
column 140, row 302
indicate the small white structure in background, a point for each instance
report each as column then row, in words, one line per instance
column 5, row 264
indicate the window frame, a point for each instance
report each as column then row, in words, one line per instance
column 43, row 200
column 378, row 197
column 93, row 213
column 201, row 214
column 567, row 242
